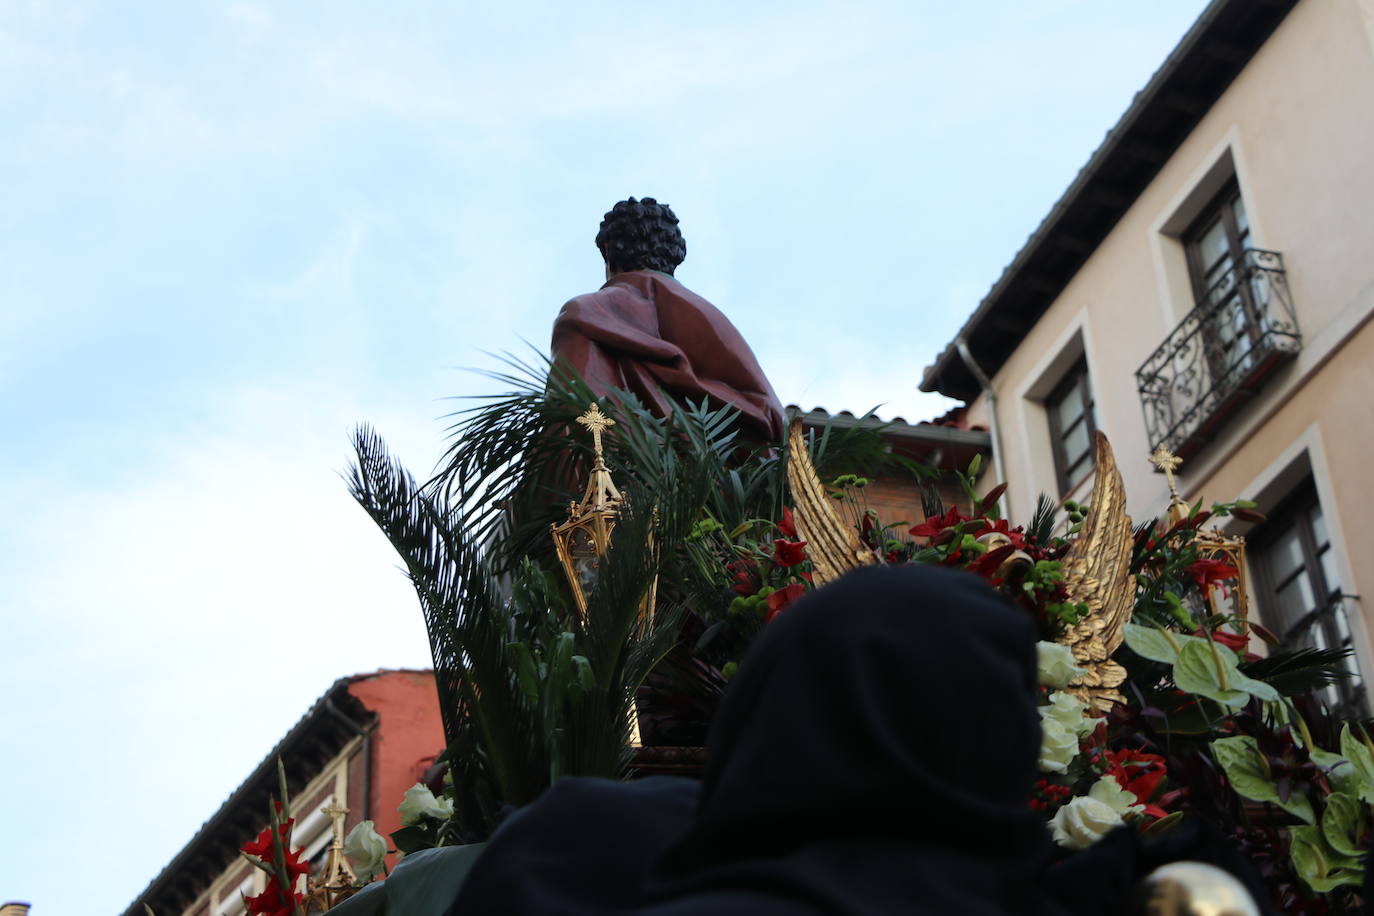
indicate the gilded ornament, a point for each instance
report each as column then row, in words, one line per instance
column 831, row 545
column 1097, row 573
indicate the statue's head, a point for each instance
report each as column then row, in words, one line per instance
column 641, row 235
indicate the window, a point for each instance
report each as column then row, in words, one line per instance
column 1217, row 244
column 1302, row 598
column 1070, row 407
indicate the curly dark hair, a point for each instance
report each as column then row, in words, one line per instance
column 641, row 235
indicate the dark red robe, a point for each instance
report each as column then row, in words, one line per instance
column 646, row 333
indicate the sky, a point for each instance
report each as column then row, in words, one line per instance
column 231, row 231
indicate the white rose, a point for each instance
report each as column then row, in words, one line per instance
column 1070, row 712
column 1082, row 822
column 1108, row 791
column 1055, row 664
column 420, row 803
column 366, row 848
column 1058, row 746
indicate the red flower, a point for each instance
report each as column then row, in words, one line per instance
column 789, row 553
column 1207, row 572
column 1138, row 773
column 262, row 846
column 787, row 527
column 746, row 579
column 936, row 523
column 274, row 901
column 1233, row 641
column 1017, row 535
column 781, row 598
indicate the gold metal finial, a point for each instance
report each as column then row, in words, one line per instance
column 336, row 813
column 597, row 423
column 585, row 535
column 334, row 883
column 1168, row 462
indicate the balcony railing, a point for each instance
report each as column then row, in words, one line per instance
column 1220, row 354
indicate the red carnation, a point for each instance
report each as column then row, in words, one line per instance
column 789, row 553
column 781, row 598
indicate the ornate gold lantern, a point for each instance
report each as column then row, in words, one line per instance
column 584, row 536
column 334, row 883
column 1211, row 545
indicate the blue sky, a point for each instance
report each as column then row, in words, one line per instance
column 231, row 231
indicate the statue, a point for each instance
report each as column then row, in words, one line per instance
column 646, row 333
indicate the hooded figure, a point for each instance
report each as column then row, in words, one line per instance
column 875, row 754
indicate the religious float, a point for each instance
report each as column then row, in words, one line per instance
column 593, row 570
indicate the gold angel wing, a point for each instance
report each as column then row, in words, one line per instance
column 832, row 546
column 1097, row 572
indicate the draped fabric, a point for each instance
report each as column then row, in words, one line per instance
column 646, row 333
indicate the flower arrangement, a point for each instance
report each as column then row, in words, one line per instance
column 1200, row 727
column 1208, row 728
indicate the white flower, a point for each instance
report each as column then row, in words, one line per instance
column 1055, row 664
column 420, row 803
column 366, row 848
column 1082, row 822
column 1070, row 712
column 1108, row 791
column 1058, row 746
column 1062, row 723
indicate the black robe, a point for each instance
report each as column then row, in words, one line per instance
column 874, row 754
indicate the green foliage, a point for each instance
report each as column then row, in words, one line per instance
column 1298, row 671
column 1321, row 867
column 1245, row 768
column 1042, row 521
column 526, row 693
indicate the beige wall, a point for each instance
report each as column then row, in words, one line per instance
column 1296, row 128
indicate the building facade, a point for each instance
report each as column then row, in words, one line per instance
column 363, row 743
column 1206, row 284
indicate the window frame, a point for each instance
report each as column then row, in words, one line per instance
column 1061, row 391
column 1293, row 512
column 1222, row 206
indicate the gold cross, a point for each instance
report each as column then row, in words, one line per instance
column 1168, row 462
column 337, row 814
column 596, row 421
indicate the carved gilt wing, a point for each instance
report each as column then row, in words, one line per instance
column 832, row 546
column 1097, row 572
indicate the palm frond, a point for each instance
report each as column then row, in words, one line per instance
column 1299, row 671
column 527, row 693
column 1042, row 520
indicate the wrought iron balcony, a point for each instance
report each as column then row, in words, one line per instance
column 1217, row 358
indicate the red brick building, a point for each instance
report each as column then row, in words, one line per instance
column 365, row 741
